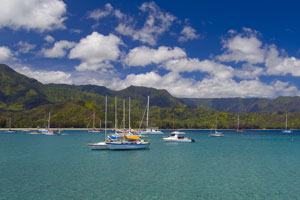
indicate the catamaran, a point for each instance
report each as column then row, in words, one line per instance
column 215, row 133
column 101, row 145
column 150, row 130
column 49, row 131
column 286, row 130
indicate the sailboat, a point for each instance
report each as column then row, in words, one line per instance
column 94, row 130
column 215, row 133
column 150, row 130
column 9, row 127
column 238, row 126
column 101, row 145
column 49, row 131
column 286, row 130
column 118, row 133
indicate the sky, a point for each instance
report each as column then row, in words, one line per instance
column 194, row 49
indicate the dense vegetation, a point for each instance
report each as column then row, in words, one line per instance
column 28, row 103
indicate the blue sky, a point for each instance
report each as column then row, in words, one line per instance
column 191, row 48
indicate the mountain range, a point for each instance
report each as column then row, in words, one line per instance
column 28, row 100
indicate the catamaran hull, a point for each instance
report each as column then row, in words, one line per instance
column 126, row 146
column 98, row 146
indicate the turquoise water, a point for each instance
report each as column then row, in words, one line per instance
column 252, row 165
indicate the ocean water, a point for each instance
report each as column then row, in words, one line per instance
column 252, row 165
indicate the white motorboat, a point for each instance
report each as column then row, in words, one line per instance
column 286, row 130
column 49, row 131
column 129, row 143
column 215, row 133
column 177, row 136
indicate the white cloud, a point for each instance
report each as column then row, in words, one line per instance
column 25, row 47
column 157, row 23
column 209, row 87
column 206, row 66
column 95, row 51
column 281, row 65
column 142, row 56
column 98, row 13
column 46, row 76
column 188, row 33
column 58, row 50
column 243, row 48
column 5, row 53
column 49, row 38
column 32, row 14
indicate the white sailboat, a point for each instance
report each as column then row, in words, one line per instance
column 215, row 133
column 9, row 127
column 49, row 131
column 94, row 130
column 101, row 145
column 150, row 130
column 286, row 130
column 238, row 126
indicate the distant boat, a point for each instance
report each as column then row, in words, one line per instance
column 9, row 125
column 286, row 130
column 94, row 130
column 215, row 133
column 239, row 130
column 150, row 130
column 49, row 131
column 177, row 136
column 101, row 145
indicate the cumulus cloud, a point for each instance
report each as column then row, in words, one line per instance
column 25, row 47
column 142, row 56
column 5, row 53
column 49, row 38
column 58, row 50
column 96, row 51
column 243, row 49
column 98, row 13
column 46, row 76
column 34, row 14
column 157, row 23
column 188, row 33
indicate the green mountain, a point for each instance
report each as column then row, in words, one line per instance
column 279, row 104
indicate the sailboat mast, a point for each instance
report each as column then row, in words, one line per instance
column 105, row 116
column 285, row 122
column 124, row 114
column 94, row 120
column 148, row 113
column 238, row 126
column 9, row 124
column 116, row 114
column 129, row 115
column 49, row 120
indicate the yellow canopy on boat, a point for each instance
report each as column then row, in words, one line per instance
column 134, row 137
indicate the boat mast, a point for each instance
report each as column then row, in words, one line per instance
column 147, row 113
column 116, row 114
column 129, row 115
column 216, row 124
column 285, row 122
column 94, row 121
column 124, row 114
column 9, row 123
column 105, row 116
column 49, row 120
column 238, row 126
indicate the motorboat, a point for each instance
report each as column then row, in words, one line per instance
column 129, row 143
column 177, row 136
